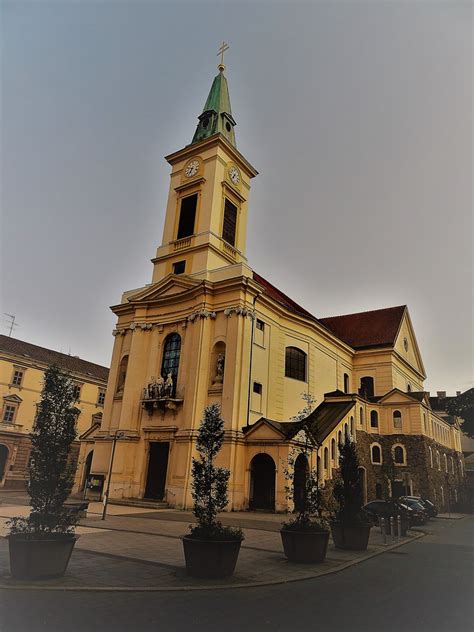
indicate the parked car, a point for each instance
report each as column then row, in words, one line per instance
column 428, row 506
column 384, row 509
column 415, row 504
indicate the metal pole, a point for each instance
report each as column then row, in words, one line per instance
column 109, row 476
column 392, row 530
column 384, row 532
column 399, row 527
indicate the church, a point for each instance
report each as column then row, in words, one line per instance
column 208, row 328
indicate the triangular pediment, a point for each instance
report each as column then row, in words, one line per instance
column 171, row 285
column 90, row 433
column 264, row 430
column 396, row 396
column 406, row 344
column 12, row 399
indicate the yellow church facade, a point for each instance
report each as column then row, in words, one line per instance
column 208, row 328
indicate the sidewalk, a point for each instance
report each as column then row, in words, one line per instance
column 137, row 549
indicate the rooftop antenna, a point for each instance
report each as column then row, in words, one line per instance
column 11, row 324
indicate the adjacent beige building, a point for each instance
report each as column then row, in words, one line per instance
column 22, row 367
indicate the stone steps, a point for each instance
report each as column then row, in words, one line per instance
column 139, row 502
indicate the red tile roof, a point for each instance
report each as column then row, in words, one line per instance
column 367, row 329
column 26, row 350
column 281, row 298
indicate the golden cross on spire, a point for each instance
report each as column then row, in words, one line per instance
column 221, row 52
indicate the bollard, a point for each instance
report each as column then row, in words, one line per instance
column 383, row 530
column 392, row 528
column 399, row 527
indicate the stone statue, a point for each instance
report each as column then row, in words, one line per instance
column 220, row 369
column 160, row 387
column 169, row 385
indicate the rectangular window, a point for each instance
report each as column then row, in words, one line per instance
column 179, row 267
column 230, row 222
column 187, row 216
column 101, row 398
column 17, row 377
column 257, row 388
column 9, row 414
column 260, row 325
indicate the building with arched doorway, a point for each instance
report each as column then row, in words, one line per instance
column 22, row 367
column 208, row 328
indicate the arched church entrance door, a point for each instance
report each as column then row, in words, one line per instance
column 3, row 460
column 301, row 473
column 262, row 482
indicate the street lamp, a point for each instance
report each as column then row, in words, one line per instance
column 117, row 435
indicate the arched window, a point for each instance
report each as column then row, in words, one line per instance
column 346, row 433
column 438, row 460
column 352, row 426
column 326, row 458
column 376, row 454
column 339, row 439
column 397, row 419
column 399, row 455
column 445, row 458
column 374, row 419
column 361, row 416
column 333, row 449
column 295, row 364
column 408, row 387
column 122, row 374
column 425, row 430
column 452, row 464
column 171, row 354
column 346, row 383
column 431, row 456
column 366, row 386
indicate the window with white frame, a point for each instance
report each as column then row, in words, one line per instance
column 9, row 412
column 397, row 419
column 101, row 397
column 376, row 454
column 17, row 377
column 399, row 456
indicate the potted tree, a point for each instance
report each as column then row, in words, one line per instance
column 41, row 544
column 351, row 527
column 305, row 537
column 210, row 550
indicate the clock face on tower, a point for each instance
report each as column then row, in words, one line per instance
column 191, row 168
column 234, row 175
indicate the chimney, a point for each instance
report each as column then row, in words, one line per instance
column 458, row 393
column 441, row 394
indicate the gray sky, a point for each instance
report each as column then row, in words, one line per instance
column 356, row 114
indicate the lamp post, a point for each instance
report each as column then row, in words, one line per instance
column 117, row 435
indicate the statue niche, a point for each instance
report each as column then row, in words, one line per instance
column 217, row 365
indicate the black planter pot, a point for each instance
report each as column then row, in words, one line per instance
column 305, row 547
column 41, row 558
column 353, row 537
column 210, row 558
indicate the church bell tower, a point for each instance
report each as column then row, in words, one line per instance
column 206, row 216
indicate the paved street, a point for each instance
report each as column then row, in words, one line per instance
column 425, row 585
column 137, row 548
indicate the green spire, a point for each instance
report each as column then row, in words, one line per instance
column 217, row 114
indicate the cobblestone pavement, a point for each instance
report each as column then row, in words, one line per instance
column 135, row 549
